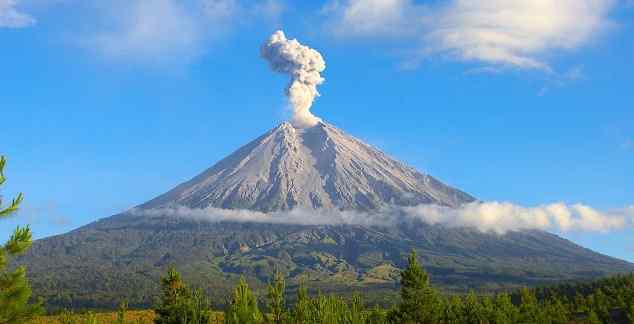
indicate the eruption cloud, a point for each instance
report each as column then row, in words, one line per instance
column 304, row 65
column 487, row 217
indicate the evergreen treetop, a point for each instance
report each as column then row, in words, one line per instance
column 15, row 291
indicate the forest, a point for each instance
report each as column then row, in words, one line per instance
column 608, row 300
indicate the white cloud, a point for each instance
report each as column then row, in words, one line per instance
column 496, row 217
column 169, row 30
column 149, row 30
column 12, row 18
column 519, row 33
column 371, row 18
column 502, row 217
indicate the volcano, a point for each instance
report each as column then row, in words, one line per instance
column 317, row 167
column 288, row 168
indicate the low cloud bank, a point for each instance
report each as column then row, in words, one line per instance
column 496, row 217
column 501, row 217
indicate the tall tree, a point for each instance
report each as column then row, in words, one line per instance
column 277, row 302
column 244, row 306
column 420, row 303
column 505, row 311
column 473, row 310
column 179, row 304
column 530, row 310
column 556, row 311
column 301, row 311
column 15, row 291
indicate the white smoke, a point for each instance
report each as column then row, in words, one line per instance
column 489, row 217
column 304, row 66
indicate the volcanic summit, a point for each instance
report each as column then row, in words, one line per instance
column 310, row 168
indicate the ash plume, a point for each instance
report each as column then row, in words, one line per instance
column 304, row 65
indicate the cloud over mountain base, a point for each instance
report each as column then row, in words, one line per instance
column 495, row 217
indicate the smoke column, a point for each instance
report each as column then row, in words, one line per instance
column 304, row 66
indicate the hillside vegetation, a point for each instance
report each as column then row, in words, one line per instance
column 609, row 300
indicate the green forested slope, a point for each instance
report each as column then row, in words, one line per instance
column 123, row 257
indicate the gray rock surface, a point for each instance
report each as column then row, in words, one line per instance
column 318, row 167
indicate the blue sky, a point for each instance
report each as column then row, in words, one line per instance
column 106, row 105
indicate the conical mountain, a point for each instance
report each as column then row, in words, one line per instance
column 122, row 257
column 317, row 167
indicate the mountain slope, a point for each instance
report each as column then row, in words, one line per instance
column 318, row 167
column 122, row 257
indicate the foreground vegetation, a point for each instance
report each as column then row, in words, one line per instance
column 15, row 290
column 605, row 301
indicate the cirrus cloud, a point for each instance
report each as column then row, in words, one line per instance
column 11, row 17
column 520, row 34
column 163, row 31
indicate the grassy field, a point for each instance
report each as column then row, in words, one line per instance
column 131, row 317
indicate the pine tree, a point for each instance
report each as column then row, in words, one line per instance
column 15, row 291
column 505, row 311
column 243, row 308
column 556, row 312
column 179, row 304
column 630, row 313
column 487, row 309
column 301, row 310
column 277, row 302
column 473, row 310
column 530, row 310
column 601, row 305
column 452, row 311
column 420, row 303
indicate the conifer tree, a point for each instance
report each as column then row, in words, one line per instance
column 15, row 291
column 179, row 304
column 473, row 310
column 487, row 309
column 505, row 311
column 556, row 312
column 530, row 311
column 420, row 303
column 243, row 308
column 452, row 311
column 301, row 310
column 277, row 302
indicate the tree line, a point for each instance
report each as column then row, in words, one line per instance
column 612, row 301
